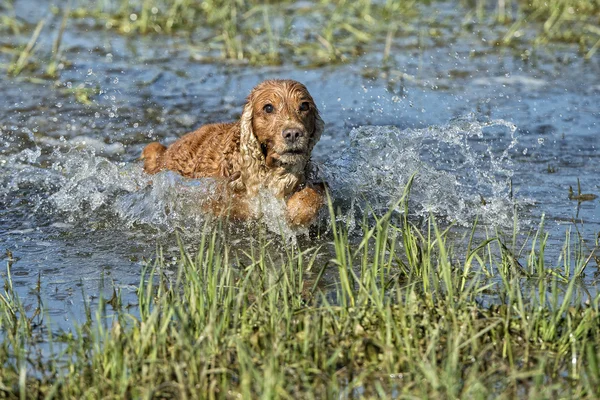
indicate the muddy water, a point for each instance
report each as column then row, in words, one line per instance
column 487, row 131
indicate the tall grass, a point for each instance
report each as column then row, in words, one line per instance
column 409, row 315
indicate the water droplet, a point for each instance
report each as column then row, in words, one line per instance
column 136, row 125
column 540, row 141
column 133, row 17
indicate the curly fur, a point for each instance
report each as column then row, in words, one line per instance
column 255, row 152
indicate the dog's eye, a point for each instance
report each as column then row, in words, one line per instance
column 268, row 108
column 305, row 106
column 263, row 149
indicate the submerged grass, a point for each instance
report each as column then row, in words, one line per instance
column 314, row 33
column 258, row 32
column 335, row 30
column 409, row 315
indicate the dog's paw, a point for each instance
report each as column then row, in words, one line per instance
column 304, row 205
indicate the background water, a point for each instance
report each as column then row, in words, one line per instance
column 487, row 132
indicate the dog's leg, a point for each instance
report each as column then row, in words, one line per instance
column 304, row 205
column 152, row 156
column 225, row 202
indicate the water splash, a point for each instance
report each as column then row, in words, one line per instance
column 166, row 201
column 462, row 169
column 22, row 172
column 92, row 182
column 456, row 166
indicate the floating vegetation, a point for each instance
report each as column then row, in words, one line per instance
column 581, row 196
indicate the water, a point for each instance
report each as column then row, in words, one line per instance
column 486, row 131
column 454, row 166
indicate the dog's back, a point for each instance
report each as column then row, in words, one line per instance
column 206, row 152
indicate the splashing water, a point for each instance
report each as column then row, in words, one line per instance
column 165, row 201
column 456, row 166
column 459, row 171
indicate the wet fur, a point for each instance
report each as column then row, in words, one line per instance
column 252, row 153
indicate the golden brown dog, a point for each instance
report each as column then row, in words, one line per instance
column 269, row 147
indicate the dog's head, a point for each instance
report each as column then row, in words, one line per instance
column 280, row 125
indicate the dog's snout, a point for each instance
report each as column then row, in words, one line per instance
column 292, row 134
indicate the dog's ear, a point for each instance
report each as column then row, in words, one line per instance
column 319, row 126
column 249, row 145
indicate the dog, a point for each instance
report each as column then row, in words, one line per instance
column 268, row 148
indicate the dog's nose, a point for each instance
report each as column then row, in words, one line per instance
column 292, row 134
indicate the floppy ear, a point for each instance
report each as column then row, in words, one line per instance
column 319, row 126
column 249, row 146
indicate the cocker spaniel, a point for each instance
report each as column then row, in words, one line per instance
column 269, row 147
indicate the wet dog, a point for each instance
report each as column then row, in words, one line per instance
column 269, row 147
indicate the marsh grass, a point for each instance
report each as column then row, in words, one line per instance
column 8, row 20
column 24, row 59
column 255, row 32
column 55, row 60
column 569, row 21
column 408, row 314
column 338, row 30
column 317, row 32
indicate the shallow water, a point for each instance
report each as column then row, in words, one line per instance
column 485, row 131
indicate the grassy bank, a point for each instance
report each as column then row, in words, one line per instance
column 409, row 315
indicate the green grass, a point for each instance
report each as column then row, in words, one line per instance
column 568, row 21
column 258, row 32
column 311, row 34
column 411, row 313
column 338, row 30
